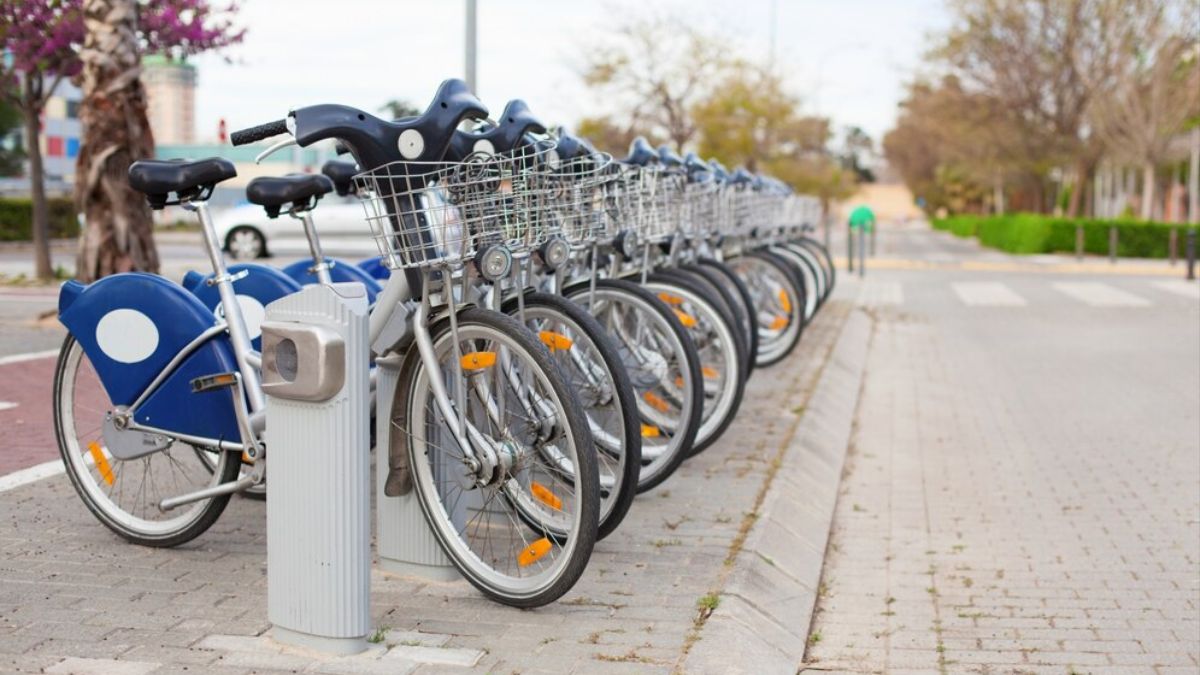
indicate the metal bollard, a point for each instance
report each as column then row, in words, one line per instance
column 874, row 231
column 1173, row 246
column 1112, row 245
column 403, row 540
column 315, row 376
column 1191, row 254
column 850, row 248
column 1079, row 242
column 862, row 251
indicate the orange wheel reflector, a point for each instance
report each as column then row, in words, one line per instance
column 709, row 372
column 656, row 401
column 650, row 431
column 101, row 462
column 545, row 496
column 670, row 299
column 556, row 341
column 478, row 360
column 534, row 552
column 687, row 320
column 786, row 301
column 779, row 323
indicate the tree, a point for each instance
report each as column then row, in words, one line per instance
column 1042, row 62
column 10, row 159
column 857, row 146
column 653, row 70
column 119, row 235
column 610, row 136
column 399, row 108
column 750, row 119
column 43, row 39
column 1154, row 91
column 39, row 38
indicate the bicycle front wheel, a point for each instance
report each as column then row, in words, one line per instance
column 517, row 512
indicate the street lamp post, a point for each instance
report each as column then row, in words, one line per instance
column 469, row 56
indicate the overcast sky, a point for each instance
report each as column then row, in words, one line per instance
column 847, row 59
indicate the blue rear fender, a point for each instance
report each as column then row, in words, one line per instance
column 260, row 286
column 131, row 326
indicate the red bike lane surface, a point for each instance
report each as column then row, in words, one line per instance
column 26, row 428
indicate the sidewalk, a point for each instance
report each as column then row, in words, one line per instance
column 70, row 591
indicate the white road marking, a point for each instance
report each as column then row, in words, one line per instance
column 7, row 405
column 42, row 299
column 31, row 475
column 879, row 293
column 31, row 356
column 986, row 294
column 1097, row 294
column 1188, row 289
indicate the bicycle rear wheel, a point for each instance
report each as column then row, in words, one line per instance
column 124, row 494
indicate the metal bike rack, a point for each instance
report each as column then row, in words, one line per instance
column 403, row 541
column 316, row 378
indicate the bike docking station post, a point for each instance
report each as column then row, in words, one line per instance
column 403, row 540
column 315, row 365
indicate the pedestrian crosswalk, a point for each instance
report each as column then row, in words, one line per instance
column 1097, row 294
column 1135, row 293
column 986, row 294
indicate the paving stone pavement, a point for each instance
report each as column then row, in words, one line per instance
column 75, row 599
column 1022, row 491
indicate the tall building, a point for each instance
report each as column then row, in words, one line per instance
column 60, row 132
column 171, row 98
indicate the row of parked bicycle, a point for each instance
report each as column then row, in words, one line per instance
column 571, row 328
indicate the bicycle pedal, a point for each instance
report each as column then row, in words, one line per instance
column 213, row 382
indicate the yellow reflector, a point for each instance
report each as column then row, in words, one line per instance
column 709, row 372
column 687, row 320
column 101, row 462
column 656, row 401
column 786, row 301
column 545, row 496
column 555, row 341
column 779, row 323
column 534, row 552
column 478, row 360
column 670, row 299
column 650, row 431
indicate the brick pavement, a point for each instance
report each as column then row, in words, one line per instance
column 70, row 590
column 1022, row 492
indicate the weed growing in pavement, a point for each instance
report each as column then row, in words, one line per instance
column 379, row 635
column 814, row 638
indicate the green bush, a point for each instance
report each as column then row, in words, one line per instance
column 1035, row 233
column 16, row 218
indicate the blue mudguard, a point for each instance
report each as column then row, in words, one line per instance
column 376, row 268
column 131, row 326
column 340, row 271
column 261, row 286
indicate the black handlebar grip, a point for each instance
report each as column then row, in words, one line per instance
column 259, row 132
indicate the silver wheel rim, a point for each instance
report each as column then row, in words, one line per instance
column 451, row 535
column 245, row 244
column 82, row 465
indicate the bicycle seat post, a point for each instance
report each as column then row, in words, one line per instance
column 320, row 264
column 238, row 335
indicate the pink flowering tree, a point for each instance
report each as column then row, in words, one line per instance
column 99, row 43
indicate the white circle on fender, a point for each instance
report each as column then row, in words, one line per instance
column 126, row 335
column 411, row 143
column 253, row 314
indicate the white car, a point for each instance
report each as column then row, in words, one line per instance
column 247, row 233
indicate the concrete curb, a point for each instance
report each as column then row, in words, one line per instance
column 766, row 607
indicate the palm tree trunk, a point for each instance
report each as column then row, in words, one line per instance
column 118, row 233
column 30, row 111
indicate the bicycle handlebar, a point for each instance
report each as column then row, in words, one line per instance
column 259, row 132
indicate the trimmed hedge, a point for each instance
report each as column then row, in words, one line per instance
column 1035, row 233
column 16, row 219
